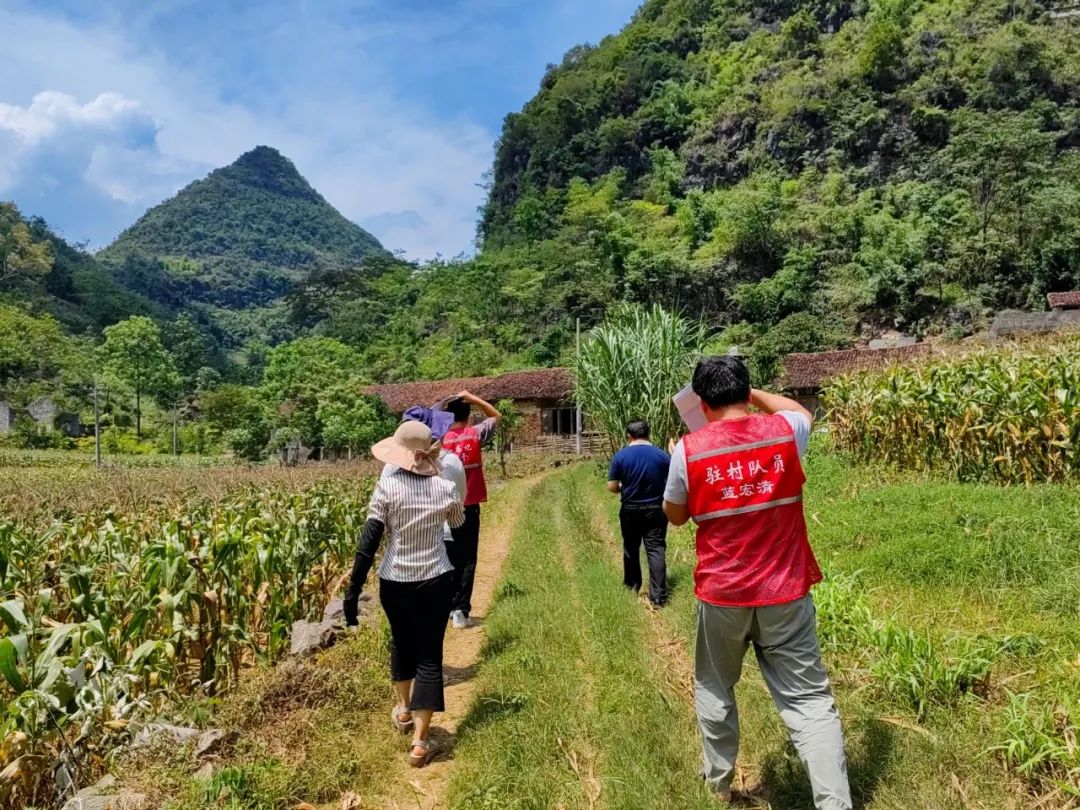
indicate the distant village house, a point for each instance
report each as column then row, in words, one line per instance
column 543, row 397
column 44, row 412
column 806, row 375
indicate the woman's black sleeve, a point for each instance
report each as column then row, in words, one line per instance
column 362, row 562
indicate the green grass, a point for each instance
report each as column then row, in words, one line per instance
column 940, row 601
column 524, row 741
column 569, row 710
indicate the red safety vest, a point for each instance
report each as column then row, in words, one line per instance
column 465, row 444
column 745, row 485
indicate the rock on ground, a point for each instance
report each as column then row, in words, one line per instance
column 166, row 731
column 212, row 741
column 95, row 798
column 308, row 638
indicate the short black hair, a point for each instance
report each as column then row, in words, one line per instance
column 638, row 429
column 460, row 409
column 722, row 380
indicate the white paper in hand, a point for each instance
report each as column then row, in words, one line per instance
column 689, row 405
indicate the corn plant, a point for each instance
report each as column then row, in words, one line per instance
column 632, row 365
column 109, row 615
column 1010, row 415
column 1039, row 742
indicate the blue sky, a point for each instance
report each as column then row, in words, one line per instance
column 390, row 108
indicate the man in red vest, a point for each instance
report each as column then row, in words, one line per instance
column 466, row 441
column 740, row 479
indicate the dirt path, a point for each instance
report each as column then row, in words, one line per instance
column 425, row 789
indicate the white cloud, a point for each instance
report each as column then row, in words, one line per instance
column 134, row 124
column 50, row 111
column 109, row 143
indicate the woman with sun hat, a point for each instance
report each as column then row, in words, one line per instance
column 410, row 506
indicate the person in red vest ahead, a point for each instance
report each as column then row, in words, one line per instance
column 740, row 479
column 466, row 441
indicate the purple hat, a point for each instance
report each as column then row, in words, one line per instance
column 439, row 421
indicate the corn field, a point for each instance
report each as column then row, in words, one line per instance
column 1010, row 415
column 106, row 617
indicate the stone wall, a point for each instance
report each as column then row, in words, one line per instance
column 7, row 418
column 1012, row 324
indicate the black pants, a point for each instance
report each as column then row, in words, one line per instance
column 648, row 524
column 417, row 614
column 462, row 553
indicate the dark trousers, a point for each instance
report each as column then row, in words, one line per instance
column 417, row 614
column 462, row 553
column 647, row 524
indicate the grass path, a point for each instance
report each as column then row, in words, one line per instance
column 572, row 710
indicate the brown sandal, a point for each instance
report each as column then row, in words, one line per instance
column 403, row 726
column 430, row 752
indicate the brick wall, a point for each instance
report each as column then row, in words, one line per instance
column 530, row 431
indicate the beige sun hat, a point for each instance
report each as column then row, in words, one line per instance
column 410, row 448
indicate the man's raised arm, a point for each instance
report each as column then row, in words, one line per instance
column 490, row 411
column 772, row 403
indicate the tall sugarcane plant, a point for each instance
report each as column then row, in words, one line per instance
column 1006, row 414
column 631, row 365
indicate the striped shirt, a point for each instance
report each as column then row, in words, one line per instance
column 413, row 508
column 452, row 470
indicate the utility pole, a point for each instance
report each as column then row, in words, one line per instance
column 579, row 421
column 97, row 428
column 175, row 418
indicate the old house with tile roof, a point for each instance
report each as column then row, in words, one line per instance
column 544, row 397
column 805, row 375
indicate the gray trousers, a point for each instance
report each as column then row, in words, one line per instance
column 786, row 645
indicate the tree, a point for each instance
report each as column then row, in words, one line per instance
column 505, row 430
column 21, row 256
column 36, row 351
column 134, row 354
column 297, row 375
column 801, row 332
column 236, row 414
column 351, row 421
column 189, row 347
column 307, row 364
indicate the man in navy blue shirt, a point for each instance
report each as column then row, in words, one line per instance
column 639, row 473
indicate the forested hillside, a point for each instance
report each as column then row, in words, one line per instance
column 800, row 170
column 912, row 162
column 798, row 173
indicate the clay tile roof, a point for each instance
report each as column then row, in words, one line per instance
column 815, row 370
column 542, row 383
column 1064, row 300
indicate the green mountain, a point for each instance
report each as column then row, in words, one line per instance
column 797, row 172
column 44, row 274
column 239, row 238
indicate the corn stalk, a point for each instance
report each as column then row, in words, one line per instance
column 1010, row 415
